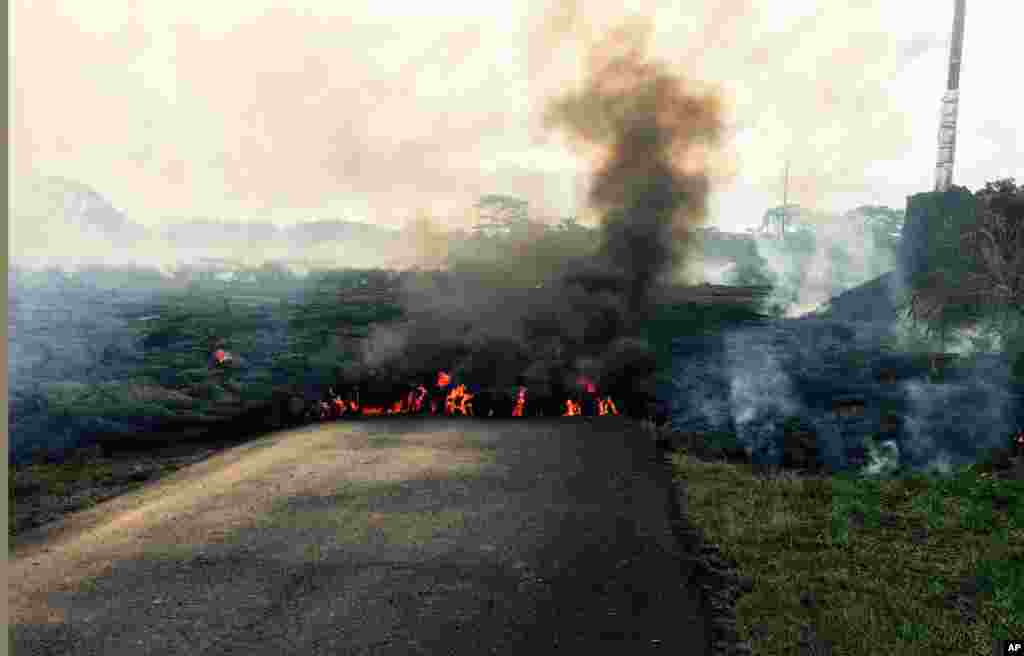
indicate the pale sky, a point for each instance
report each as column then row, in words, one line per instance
column 374, row 111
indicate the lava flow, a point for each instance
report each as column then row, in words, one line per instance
column 458, row 401
column 606, row 406
column 520, row 406
column 452, row 399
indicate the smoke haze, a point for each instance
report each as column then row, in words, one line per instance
column 274, row 114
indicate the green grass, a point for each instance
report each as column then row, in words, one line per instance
column 851, row 543
column 884, row 556
column 57, row 478
column 177, row 347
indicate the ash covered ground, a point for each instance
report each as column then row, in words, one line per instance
column 841, row 379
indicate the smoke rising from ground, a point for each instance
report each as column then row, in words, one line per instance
column 650, row 137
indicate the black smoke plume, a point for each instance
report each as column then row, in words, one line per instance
column 652, row 137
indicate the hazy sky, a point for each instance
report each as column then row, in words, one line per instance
column 374, row 111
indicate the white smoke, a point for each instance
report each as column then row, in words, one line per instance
column 845, row 255
column 760, row 391
column 883, row 458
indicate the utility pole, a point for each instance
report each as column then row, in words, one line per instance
column 785, row 203
column 950, row 103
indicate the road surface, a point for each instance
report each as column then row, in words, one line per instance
column 403, row 536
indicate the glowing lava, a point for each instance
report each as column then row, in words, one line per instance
column 606, row 406
column 413, row 402
column 458, row 401
column 520, row 406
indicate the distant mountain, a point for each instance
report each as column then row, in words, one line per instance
column 86, row 209
column 199, row 233
column 315, row 232
column 58, row 221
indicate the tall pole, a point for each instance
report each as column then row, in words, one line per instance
column 950, row 102
column 785, row 203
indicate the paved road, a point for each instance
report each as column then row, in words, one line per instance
column 405, row 536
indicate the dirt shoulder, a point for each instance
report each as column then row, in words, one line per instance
column 393, row 537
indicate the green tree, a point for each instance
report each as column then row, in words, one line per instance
column 883, row 224
column 750, row 273
column 995, row 244
column 969, row 263
column 995, row 248
column 503, row 212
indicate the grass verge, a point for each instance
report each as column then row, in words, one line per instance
column 916, row 564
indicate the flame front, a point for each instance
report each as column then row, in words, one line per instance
column 520, row 406
column 413, row 402
column 606, row 406
column 458, row 401
column 418, row 396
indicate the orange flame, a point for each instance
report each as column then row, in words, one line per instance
column 520, row 403
column 587, row 383
column 459, row 401
column 606, row 406
column 413, row 402
column 418, row 396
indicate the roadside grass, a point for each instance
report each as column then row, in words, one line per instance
column 74, row 484
column 913, row 564
column 56, row 478
column 902, row 564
